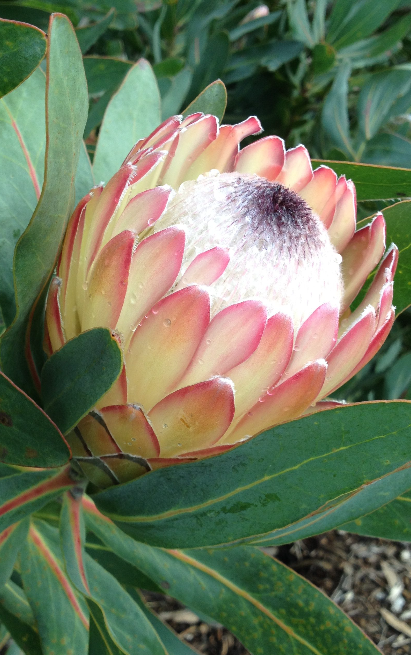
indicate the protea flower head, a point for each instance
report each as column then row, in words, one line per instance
column 228, row 276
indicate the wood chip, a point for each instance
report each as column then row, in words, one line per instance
column 180, row 616
column 396, row 623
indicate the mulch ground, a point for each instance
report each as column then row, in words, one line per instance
column 370, row 579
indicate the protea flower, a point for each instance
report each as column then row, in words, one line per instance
column 228, row 276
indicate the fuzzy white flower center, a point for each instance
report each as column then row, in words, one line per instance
column 280, row 252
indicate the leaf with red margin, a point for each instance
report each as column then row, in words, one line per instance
column 22, row 49
column 72, row 531
column 28, row 437
column 269, row 607
column 24, row 493
column 125, row 622
column 37, row 249
column 11, row 540
column 61, row 613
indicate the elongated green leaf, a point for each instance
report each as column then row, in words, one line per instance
column 23, row 142
column 173, row 92
column 267, row 483
column 125, row 621
column 398, row 377
column 14, row 600
column 211, row 63
column 299, row 22
column 252, row 25
column 133, row 112
column 36, row 251
column 11, row 541
column 72, row 532
column 27, row 435
column 335, row 111
column 169, row 638
column 125, row 573
column 366, row 51
column 22, row 47
column 393, row 521
column 87, row 36
column 24, row 635
column 377, row 98
column 388, row 150
column 352, row 21
column 78, row 375
column 373, row 182
column 213, row 100
column 61, row 613
column 25, row 493
column 104, row 76
column 335, row 514
column 269, row 607
column 398, row 219
column 100, row 642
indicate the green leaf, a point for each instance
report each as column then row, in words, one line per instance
column 398, row 220
column 377, row 98
column 125, row 573
column 61, row 613
column 133, row 112
column 27, row 435
column 269, row 607
column 170, row 639
column 334, row 116
column 125, row 621
column 372, row 182
column 14, row 600
column 398, row 377
column 272, row 55
column 37, row 249
column 211, row 64
column 352, row 21
column 365, row 52
column 323, row 58
column 212, row 100
column 388, row 150
column 100, row 641
column 250, row 26
column 78, row 375
column 300, row 25
column 23, row 142
column 24, row 493
column 283, row 52
column 173, row 92
column 87, row 36
column 72, row 530
column 393, row 521
column 24, row 635
column 347, row 508
column 22, row 47
column 104, row 76
column 11, row 540
column 271, row 481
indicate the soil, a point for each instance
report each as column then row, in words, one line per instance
column 370, row 579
